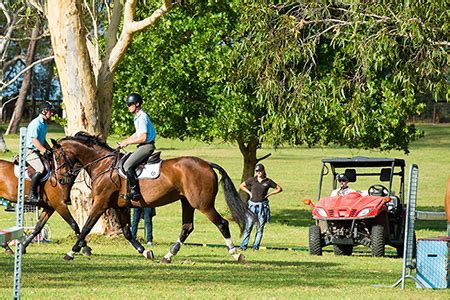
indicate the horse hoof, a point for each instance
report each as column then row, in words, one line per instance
column 87, row 251
column 68, row 257
column 241, row 259
column 148, row 254
column 165, row 261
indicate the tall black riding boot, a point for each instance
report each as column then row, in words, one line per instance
column 33, row 197
column 133, row 186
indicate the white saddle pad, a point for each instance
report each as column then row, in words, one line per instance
column 27, row 177
column 148, row 172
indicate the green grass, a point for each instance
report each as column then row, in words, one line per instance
column 115, row 271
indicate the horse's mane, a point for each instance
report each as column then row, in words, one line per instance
column 88, row 139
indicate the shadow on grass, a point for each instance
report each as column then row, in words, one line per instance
column 115, row 271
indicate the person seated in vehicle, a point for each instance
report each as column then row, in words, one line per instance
column 344, row 189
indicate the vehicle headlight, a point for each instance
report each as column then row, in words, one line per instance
column 364, row 212
column 321, row 212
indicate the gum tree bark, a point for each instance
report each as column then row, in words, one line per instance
column 87, row 78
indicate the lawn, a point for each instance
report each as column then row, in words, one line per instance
column 115, row 271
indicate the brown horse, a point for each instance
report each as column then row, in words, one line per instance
column 55, row 194
column 188, row 179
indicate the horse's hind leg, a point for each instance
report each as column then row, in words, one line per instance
column 124, row 220
column 224, row 228
column 186, row 229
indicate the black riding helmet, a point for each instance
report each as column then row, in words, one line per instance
column 134, row 99
column 46, row 106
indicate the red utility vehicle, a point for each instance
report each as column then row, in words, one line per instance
column 372, row 216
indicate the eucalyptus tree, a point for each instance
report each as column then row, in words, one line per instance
column 291, row 72
column 89, row 40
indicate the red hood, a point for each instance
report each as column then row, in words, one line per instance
column 350, row 205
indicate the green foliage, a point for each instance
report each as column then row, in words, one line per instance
column 297, row 72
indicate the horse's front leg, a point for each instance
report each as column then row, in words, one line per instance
column 64, row 212
column 43, row 218
column 124, row 220
column 95, row 214
column 8, row 249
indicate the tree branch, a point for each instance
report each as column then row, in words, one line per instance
column 130, row 27
column 26, row 69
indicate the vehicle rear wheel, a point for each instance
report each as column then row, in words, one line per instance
column 346, row 250
column 378, row 241
column 315, row 246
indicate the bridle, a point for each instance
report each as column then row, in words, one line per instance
column 74, row 170
column 71, row 174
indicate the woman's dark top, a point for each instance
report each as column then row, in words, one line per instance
column 259, row 189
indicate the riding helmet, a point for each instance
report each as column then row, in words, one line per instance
column 46, row 106
column 134, row 99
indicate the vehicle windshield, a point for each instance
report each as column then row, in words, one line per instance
column 361, row 180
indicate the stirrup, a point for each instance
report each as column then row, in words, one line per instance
column 33, row 199
column 133, row 196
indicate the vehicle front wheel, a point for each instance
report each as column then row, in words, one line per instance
column 315, row 246
column 378, row 241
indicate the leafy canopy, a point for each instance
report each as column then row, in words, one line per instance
column 297, row 72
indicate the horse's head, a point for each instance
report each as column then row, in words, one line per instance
column 66, row 169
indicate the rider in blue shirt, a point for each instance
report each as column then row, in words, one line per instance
column 144, row 137
column 36, row 146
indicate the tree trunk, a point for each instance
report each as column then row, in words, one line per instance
column 249, row 153
column 80, row 94
column 87, row 82
column 3, row 147
column 24, row 88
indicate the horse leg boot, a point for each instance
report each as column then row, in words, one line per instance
column 33, row 197
column 133, row 185
column 185, row 231
column 124, row 221
column 225, row 230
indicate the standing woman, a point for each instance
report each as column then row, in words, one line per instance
column 36, row 146
column 144, row 137
column 257, row 187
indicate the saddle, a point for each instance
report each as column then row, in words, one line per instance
column 149, row 169
column 29, row 170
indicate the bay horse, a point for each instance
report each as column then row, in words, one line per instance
column 188, row 179
column 56, row 195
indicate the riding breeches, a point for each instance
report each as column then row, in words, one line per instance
column 138, row 156
column 34, row 160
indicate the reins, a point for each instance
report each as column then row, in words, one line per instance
column 74, row 171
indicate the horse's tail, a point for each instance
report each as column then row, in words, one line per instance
column 239, row 210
